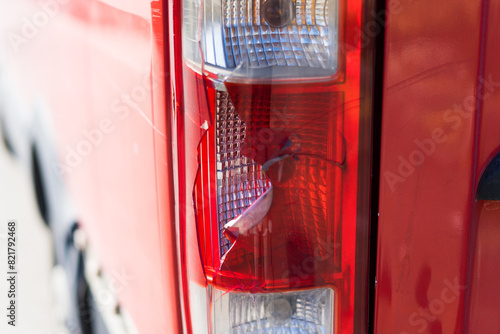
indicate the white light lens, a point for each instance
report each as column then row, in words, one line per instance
column 298, row 38
column 305, row 311
column 240, row 180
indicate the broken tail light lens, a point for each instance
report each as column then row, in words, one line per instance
column 273, row 148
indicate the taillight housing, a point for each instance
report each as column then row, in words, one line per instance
column 273, row 130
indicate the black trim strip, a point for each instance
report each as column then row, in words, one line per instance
column 378, row 93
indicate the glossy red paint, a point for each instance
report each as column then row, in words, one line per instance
column 434, row 146
column 485, row 290
column 100, row 67
column 127, row 74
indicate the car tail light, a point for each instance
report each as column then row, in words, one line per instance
column 273, row 126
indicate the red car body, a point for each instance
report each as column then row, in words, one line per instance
column 435, row 240
column 422, row 74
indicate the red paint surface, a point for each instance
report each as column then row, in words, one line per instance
column 428, row 216
column 83, row 64
column 485, row 290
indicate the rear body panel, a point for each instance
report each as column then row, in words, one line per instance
column 99, row 66
column 484, row 287
column 438, row 135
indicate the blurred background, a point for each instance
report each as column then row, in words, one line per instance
column 61, row 79
column 36, row 300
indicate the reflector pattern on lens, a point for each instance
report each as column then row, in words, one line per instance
column 304, row 209
column 240, row 181
column 306, row 42
column 308, row 311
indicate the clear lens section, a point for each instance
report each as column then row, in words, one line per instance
column 307, row 311
column 300, row 35
column 240, row 181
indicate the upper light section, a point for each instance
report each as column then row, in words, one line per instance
column 243, row 37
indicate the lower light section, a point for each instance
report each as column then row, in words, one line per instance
column 297, row 312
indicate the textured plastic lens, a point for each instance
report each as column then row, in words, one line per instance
column 228, row 182
column 296, row 137
column 255, row 34
column 240, row 181
column 279, row 38
column 305, row 312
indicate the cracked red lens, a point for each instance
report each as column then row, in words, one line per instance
column 296, row 133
